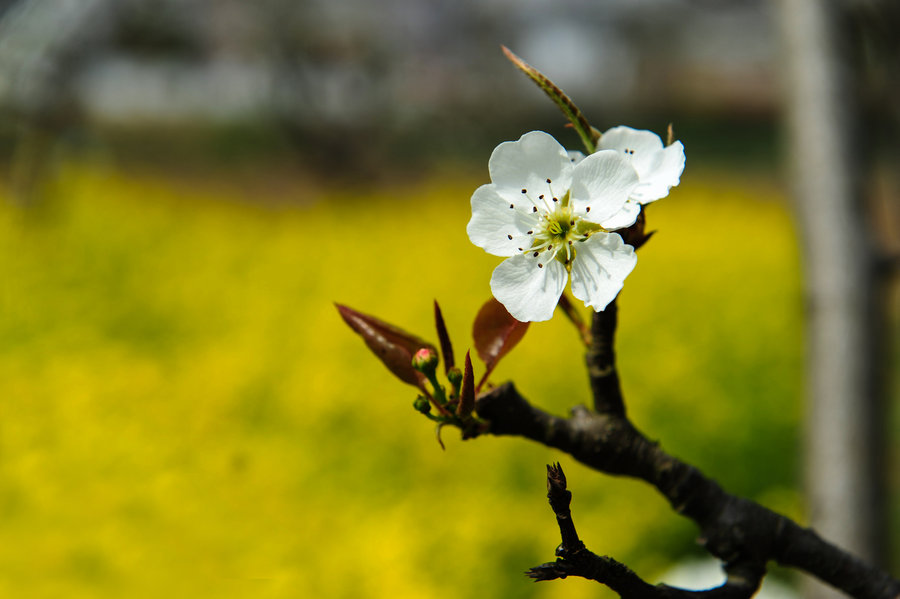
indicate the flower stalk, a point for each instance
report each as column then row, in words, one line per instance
column 588, row 134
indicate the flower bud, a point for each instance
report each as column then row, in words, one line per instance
column 425, row 361
column 455, row 376
column 421, row 404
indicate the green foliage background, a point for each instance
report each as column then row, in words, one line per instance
column 185, row 415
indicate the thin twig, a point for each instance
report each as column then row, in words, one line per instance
column 574, row 559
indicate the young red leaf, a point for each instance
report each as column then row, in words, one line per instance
column 392, row 345
column 444, row 338
column 466, row 390
column 495, row 332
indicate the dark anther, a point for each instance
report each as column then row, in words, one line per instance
column 535, row 254
column 524, row 191
column 548, row 180
column 512, row 206
column 530, row 232
column 541, row 197
column 534, row 209
column 572, row 222
column 588, row 209
column 509, row 237
column 540, row 265
column 555, row 199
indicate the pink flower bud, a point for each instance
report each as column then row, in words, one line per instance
column 425, row 361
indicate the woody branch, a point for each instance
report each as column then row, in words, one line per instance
column 740, row 532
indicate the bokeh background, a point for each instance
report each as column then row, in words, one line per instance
column 188, row 186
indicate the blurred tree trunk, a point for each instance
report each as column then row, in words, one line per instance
column 843, row 444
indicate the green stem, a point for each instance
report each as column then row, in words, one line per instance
column 588, row 134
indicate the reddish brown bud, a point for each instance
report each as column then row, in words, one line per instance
column 467, row 391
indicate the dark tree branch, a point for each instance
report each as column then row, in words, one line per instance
column 560, row 498
column 575, row 560
column 734, row 529
column 744, row 535
column 601, row 363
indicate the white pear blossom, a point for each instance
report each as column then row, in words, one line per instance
column 659, row 168
column 549, row 213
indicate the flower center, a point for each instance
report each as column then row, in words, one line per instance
column 557, row 232
column 558, row 228
column 559, row 223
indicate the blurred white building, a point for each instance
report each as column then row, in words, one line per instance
column 319, row 63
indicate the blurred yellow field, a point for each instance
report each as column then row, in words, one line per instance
column 184, row 414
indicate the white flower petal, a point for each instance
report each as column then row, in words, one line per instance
column 659, row 168
column 599, row 269
column 624, row 217
column 601, row 184
column 528, row 163
column 497, row 228
column 575, row 156
column 665, row 175
column 639, row 145
column 529, row 292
